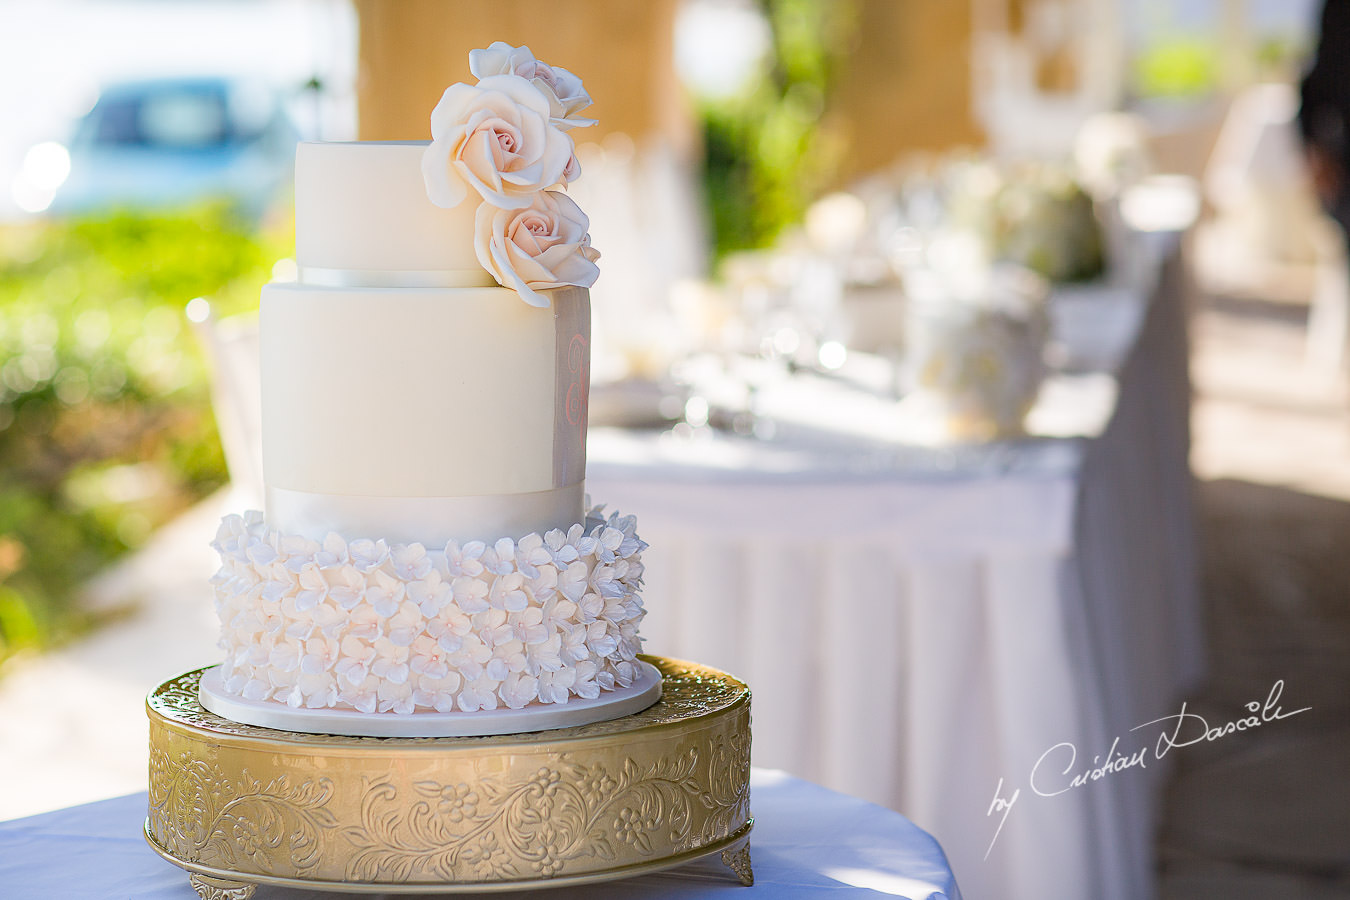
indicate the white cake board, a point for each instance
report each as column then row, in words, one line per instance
column 643, row 692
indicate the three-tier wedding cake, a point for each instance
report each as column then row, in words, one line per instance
column 426, row 564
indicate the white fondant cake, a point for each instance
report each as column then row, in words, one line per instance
column 425, row 545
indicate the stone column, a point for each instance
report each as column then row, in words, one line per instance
column 411, row 50
column 906, row 84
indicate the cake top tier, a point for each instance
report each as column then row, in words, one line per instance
column 363, row 207
column 483, row 201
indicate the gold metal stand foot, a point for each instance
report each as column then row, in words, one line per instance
column 738, row 860
column 210, row 888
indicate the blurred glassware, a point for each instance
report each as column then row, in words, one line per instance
column 637, row 403
column 167, row 143
column 707, row 313
column 836, row 223
column 1111, row 152
column 873, row 318
column 1111, row 157
column 1166, row 203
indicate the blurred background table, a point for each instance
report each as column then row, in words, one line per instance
column 806, row 840
column 921, row 623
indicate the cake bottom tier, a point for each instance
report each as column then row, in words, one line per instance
column 362, row 624
column 237, row 805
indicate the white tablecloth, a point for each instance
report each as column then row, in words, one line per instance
column 919, row 625
column 807, row 841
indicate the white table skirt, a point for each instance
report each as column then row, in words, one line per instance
column 807, row 841
column 913, row 640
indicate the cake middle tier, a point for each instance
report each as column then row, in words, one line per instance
column 423, row 414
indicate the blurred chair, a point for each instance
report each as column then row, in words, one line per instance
column 231, row 346
column 1256, row 179
column 1268, row 223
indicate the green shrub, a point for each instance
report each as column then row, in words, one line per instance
column 1177, row 65
column 766, row 155
column 105, row 421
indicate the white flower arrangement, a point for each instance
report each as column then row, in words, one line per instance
column 398, row 628
column 506, row 137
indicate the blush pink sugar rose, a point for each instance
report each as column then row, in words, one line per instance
column 496, row 138
column 542, row 246
column 566, row 96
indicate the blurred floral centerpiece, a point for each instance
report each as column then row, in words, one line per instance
column 977, row 245
column 1035, row 215
column 975, row 338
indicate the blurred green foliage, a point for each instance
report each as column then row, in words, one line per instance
column 105, row 421
column 1177, row 65
column 1281, row 57
column 1033, row 214
column 766, row 156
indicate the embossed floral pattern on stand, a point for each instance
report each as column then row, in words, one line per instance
column 655, row 785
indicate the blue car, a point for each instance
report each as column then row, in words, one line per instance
column 167, row 143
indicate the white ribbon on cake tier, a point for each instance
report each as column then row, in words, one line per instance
column 394, row 278
column 430, row 521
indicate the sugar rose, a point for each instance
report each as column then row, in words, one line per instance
column 543, row 246
column 495, row 137
column 566, row 97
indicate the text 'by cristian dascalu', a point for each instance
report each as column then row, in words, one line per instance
column 1058, row 770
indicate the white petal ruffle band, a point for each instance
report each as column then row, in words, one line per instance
column 375, row 627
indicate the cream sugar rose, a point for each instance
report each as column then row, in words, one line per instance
column 426, row 546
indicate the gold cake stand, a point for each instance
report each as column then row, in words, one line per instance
column 238, row 805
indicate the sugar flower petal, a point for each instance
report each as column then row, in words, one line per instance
column 393, row 628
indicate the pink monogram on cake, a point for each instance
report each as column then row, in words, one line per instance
column 577, row 389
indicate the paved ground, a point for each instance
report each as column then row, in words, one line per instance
column 1265, row 814
column 74, row 720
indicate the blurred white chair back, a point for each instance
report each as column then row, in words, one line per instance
column 1256, row 176
column 232, row 351
column 1267, row 216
